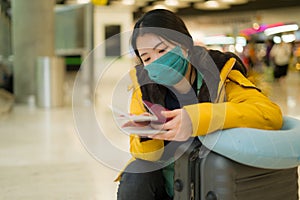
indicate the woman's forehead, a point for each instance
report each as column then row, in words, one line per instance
column 148, row 40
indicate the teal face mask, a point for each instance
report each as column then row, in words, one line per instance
column 169, row 69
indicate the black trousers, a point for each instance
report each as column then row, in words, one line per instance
column 142, row 180
column 280, row 71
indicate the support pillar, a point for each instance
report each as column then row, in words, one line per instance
column 32, row 36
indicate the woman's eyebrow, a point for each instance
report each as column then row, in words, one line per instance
column 143, row 54
column 155, row 47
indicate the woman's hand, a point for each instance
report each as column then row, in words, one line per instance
column 179, row 128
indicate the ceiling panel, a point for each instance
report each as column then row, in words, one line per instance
column 251, row 5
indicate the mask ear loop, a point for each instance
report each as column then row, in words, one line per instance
column 187, row 51
column 188, row 55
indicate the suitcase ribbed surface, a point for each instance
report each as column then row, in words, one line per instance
column 229, row 180
column 214, row 177
column 279, row 185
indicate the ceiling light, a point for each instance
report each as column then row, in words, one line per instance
column 288, row 38
column 159, row 6
column 192, row 1
column 256, row 26
column 241, row 41
column 128, row 2
column 77, row 2
column 277, row 39
column 131, row 3
column 281, row 29
column 172, row 3
column 83, row 1
column 211, row 5
column 212, row 40
column 234, row 2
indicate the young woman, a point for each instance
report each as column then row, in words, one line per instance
column 202, row 91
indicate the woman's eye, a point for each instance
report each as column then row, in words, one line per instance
column 146, row 60
column 163, row 50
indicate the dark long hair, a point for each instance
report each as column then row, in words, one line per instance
column 165, row 24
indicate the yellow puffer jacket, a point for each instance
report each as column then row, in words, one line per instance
column 245, row 106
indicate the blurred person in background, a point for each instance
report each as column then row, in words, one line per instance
column 281, row 54
column 267, row 59
column 250, row 54
column 297, row 57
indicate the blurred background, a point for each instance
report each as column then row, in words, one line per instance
column 48, row 47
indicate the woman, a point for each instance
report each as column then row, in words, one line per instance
column 202, row 90
column 281, row 54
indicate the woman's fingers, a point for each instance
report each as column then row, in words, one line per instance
column 169, row 135
column 157, row 126
column 179, row 128
column 171, row 113
column 175, row 121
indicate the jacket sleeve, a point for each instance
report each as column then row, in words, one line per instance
column 245, row 106
column 149, row 149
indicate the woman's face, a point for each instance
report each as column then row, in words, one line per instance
column 152, row 47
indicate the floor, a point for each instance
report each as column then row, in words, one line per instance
column 44, row 153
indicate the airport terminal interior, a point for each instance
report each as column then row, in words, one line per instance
column 63, row 64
